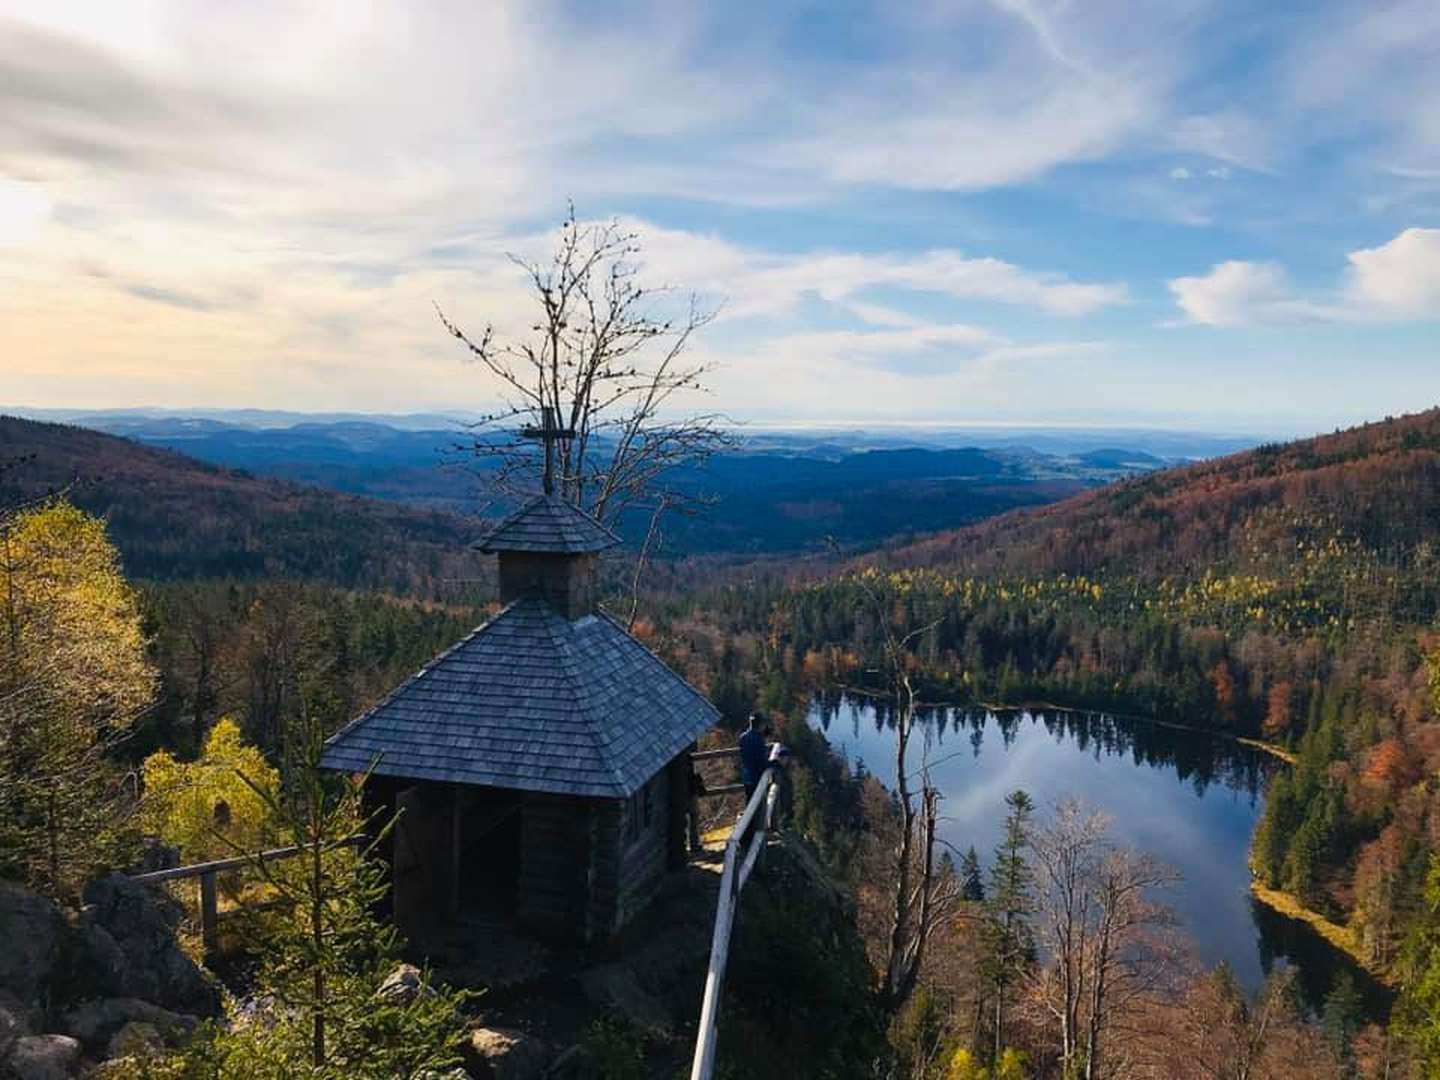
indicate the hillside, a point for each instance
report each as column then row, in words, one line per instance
column 173, row 517
column 1377, row 486
column 1288, row 594
column 777, row 492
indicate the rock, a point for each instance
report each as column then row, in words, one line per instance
column 614, row 988
column 31, row 928
column 44, row 1057
column 135, row 1039
column 504, row 1054
column 16, row 1020
column 577, row 1063
column 145, row 961
column 96, row 1023
column 403, row 985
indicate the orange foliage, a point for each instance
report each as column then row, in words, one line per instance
column 1390, row 766
column 1224, row 683
column 1278, row 714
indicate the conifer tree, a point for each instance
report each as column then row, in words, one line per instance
column 1009, row 946
column 324, row 954
column 972, row 883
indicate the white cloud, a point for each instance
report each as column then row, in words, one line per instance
column 1399, row 280
column 1180, row 173
column 758, row 283
column 1235, row 293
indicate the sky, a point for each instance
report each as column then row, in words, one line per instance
column 1191, row 214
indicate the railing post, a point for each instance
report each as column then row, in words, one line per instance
column 209, row 911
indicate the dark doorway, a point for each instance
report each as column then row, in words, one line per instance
column 487, row 871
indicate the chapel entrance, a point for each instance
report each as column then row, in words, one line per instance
column 487, row 866
column 456, row 851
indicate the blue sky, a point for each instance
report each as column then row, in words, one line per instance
column 1216, row 215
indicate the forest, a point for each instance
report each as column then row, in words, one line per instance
column 1287, row 596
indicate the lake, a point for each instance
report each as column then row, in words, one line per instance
column 1188, row 797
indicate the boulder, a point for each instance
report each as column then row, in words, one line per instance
column 96, row 1023
column 17, row 1020
column 136, row 1039
column 44, row 1057
column 32, row 928
column 504, row 1054
column 145, row 961
column 403, row 985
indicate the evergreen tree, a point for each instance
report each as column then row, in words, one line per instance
column 972, row 884
column 1008, row 942
column 323, row 953
column 1341, row 1016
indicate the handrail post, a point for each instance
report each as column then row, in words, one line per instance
column 209, row 912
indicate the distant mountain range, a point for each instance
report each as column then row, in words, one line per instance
column 782, row 491
column 174, row 517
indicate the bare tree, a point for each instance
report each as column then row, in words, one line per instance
column 923, row 895
column 603, row 372
column 1102, row 929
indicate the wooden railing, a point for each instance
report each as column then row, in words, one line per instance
column 715, row 755
column 208, row 872
column 742, row 850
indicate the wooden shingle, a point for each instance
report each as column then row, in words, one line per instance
column 532, row 701
column 549, row 525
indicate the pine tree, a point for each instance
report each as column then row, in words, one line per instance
column 972, row 884
column 324, row 954
column 1341, row 1016
column 1009, row 946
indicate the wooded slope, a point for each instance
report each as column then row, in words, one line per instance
column 173, row 517
column 1378, row 484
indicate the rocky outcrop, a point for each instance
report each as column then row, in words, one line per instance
column 44, row 1057
column 120, row 953
column 505, row 1054
column 33, row 930
column 128, row 948
column 96, row 1023
column 136, row 1039
column 403, row 985
column 16, row 1021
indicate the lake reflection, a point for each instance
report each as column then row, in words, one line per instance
column 1187, row 797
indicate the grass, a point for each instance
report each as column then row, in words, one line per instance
column 1341, row 937
column 1273, row 749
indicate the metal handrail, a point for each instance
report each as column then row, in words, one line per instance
column 733, row 876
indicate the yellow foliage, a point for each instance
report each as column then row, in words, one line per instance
column 963, row 1066
column 204, row 807
column 73, row 678
column 73, row 633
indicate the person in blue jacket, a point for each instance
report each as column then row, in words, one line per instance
column 754, row 754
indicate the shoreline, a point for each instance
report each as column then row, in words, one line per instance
column 1273, row 749
column 1337, row 936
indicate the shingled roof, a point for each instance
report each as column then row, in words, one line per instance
column 549, row 524
column 534, row 702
